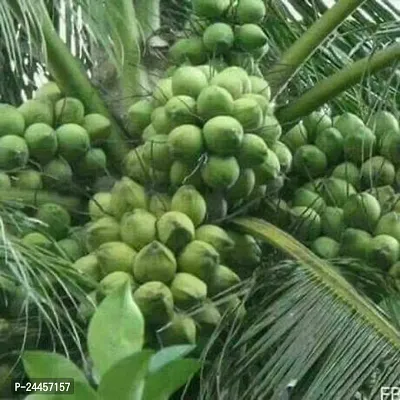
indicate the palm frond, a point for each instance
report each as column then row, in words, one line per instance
column 307, row 335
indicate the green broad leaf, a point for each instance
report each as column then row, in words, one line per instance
column 116, row 330
column 126, row 379
column 169, row 354
column 166, row 381
column 41, row 364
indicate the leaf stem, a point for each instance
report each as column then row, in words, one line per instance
column 337, row 83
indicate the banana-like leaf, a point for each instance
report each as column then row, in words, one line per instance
column 308, row 334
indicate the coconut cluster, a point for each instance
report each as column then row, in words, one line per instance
column 214, row 130
column 175, row 262
column 345, row 180
column 50, row 140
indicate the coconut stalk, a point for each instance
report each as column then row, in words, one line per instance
column 330, row 87
column 308, row 43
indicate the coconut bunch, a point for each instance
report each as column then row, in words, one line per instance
column 343, row 198
column 49, row 141
column 214, row 130
column 224, row 32
column 177, row 265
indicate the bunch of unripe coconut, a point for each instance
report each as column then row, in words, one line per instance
column 49, row 142
column 176, row 262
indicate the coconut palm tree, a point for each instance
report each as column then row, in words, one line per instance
column 313, row 329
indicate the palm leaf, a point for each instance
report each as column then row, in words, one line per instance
column 308, row 334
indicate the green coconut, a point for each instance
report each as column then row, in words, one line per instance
column 295, row 137
column 307, row 198
column 199, row 259
column 186, row 143
column 139, row 116
column 56, row 219
column 262, row 101
column 115, row 256
column 157, row 153
column 42, row 141
column 181, row 110
column 29, row 179
column 181, row 330
column 270, row 130
column 310, row 161
column 359, row 145
column 189, row 201
column 188, row 49
column 5, row 181
column 49, row 91
column 214, row 101
column 390, row 147
column 207, row 317
column 362, row 211
column 154, row 262
column 103, row 230
column 217, row 206
column 232, row 308
column 220, row 172
column 162, row 92
column 306, row 223
column 73, row 141
column 57, row 174
column 210, row 8
column 284, row 156
column 218, row 38
column 316, row 122
column 138, row 228
column 216, row 236
column 383, row 122
column 113, row 281
column 149, row 132
column 37, row 239
column 348, row 123
column 231, row 82
column 135, row 166
column 332, row 222
column 250, row 11
column 348, row 172
column 99, row 205
column 187, row 290
column 223, row 135
column 383, row 251
column 355, row 243
column 35, row 111
column 159, row 204
column 98, row 127
column 325, row 247
column 11, row 121
column 222, row 280
column 156, row 303
column 182, row 174
column 243, row 187
column 70, row 249
column 389, row 224
column 260, row 86
column 252, row 152
column 175, row 230
column 240, row 74
column 377, row 171
column 336, row 191
column 92, row 164
column 69, row 110
column 250, row 37
column 268, row 170
column 188, row 81
column 386, row 197
column 246, row 251
column 88, row 265
column 330, row 141
column 248, row 113
column 208, row 70
column 14, row 152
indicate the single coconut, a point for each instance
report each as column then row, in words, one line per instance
column 214, row 101
column 37, row 239
column 268, row 170
column 359, row 145
column 175, row 230
column 316, row 122
column 325, row 247
column 103, row 230
column 29, row 179
column 270, row 130
column 252, row 152
column 377, row 171
column 355, row 243
column 186, row 143
column 99, row 205
column 348, row 172
column 154, row 262
column 89, row 266
column 382, row 122
column 210, row 8
column 35, row 111
column 390, row 147
column 348, row 123
column 220, row 172
column 310, row 161
column 42, row 141
column 284, row 156
column 56, row 218
column 262, row 101
column 332, row 222
column 190, row 50
column 70, row 249
column 188, row 81
column 383, row 251
column 185, row 174
column 248, row 113
column 260, row 86
column 159, row 204
column 181, row 330
column 162, row 92
column 157, row 152
column 389, row 224
column 222, row 280
column 73, row 141
column 307, row 198
column 69, row 110
column 92, row 164
column 216, row 236
column 250, row 11
column 115, row 256
column 232, row 83
column 139, row 116
column 223, row 135
column 11, row 121
column 330, row 141
column 246, row 252
column 250, row 37
column 296, row 137
column 218, row 38
column 112, row 282
column 181, row 110
column 306, row 223
column 138, row 228
column 98, row 127
column 14, row 152
column 336, row 191
column 57, row 174
column 243, row 187
column 187, row 290
column 49, row 91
